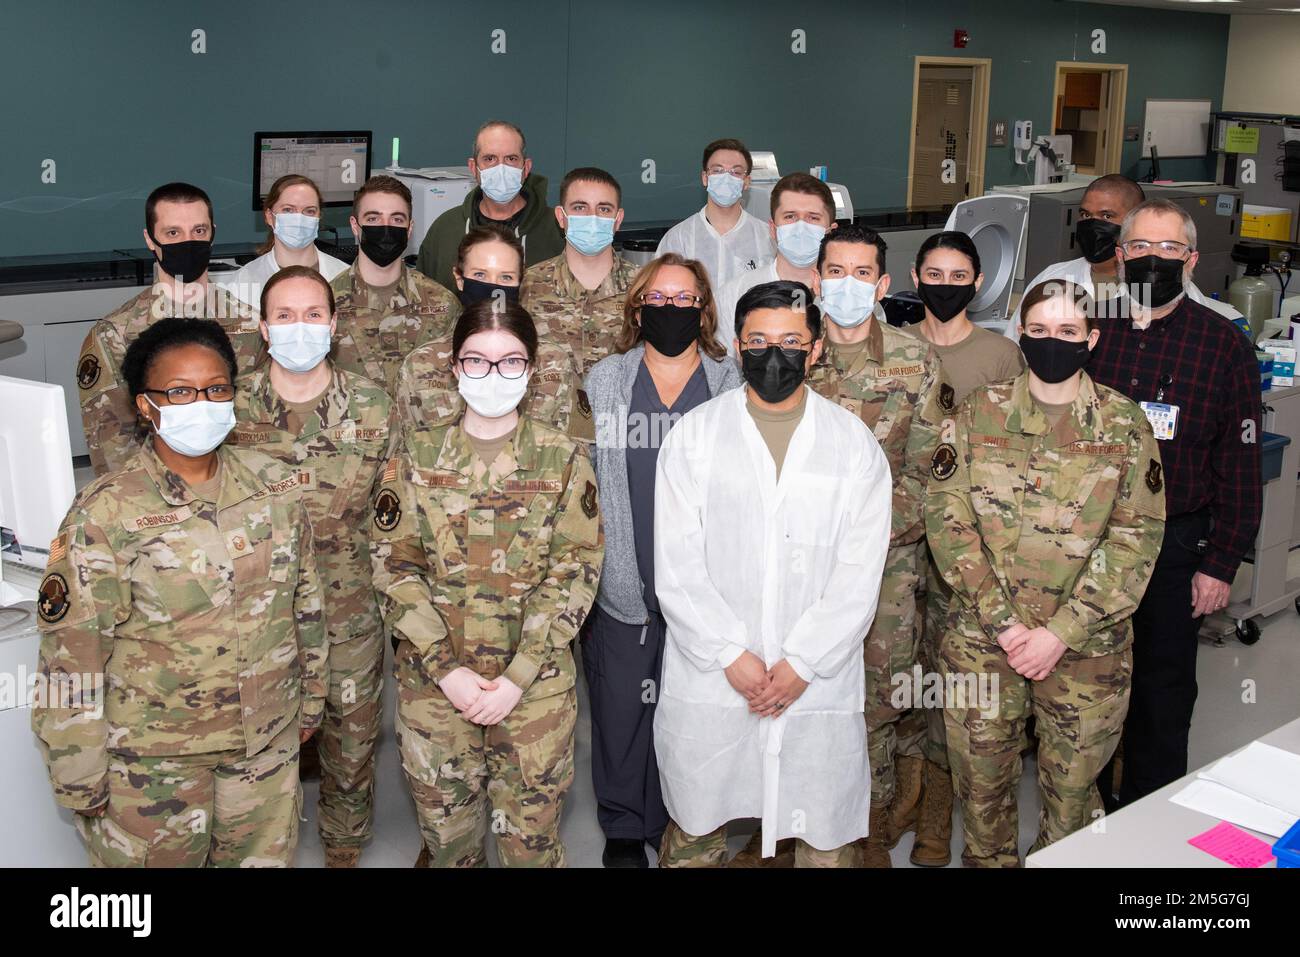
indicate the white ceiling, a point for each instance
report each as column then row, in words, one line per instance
column 1214, row 6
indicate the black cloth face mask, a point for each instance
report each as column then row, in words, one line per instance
column 383, row 244
column 476, row 291
column 945, row 300
column 185, row 261
column 1097, row 239
column 1154, row 278
column 670, row 329
column 1054, row 360
column 773, row 374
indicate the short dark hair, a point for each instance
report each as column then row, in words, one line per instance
column 1059, row 289
column 853, row 233
column 493, row 314
column 589, row 174
column 782, row 294
column 296, row 272
column 167, row 334
column 949, row 239
column 728, row 144
column 807, row 184
column 1120, row 184
column 172, row 193
column 488, row 233
column 382, row 183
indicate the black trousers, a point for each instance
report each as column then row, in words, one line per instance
column 623, row 664
column 1164, row 667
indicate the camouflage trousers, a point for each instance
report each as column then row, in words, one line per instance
column 679, row 849
column 519, row 769
column 1079, row 709
column 196, row 810
column 890, row 650
column 349, row 731
column 921, row 731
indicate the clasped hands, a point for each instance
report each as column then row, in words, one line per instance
column 478, row 699
column 1032, row 652
column 769, row 691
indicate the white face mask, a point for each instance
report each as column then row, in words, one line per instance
column 848, row 300
column 799, row 242
column 296, row 230
column 195, row 429
column 299, row 346
column 493, row 395
column 501, row 182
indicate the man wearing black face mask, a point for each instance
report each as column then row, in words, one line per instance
column 385, row 308
column 178, row 230
column 1196, row 377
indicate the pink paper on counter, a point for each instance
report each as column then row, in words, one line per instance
column 1230, row 843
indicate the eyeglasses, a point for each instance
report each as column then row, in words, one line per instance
column 184, row 394
column 511, row 367
column 737, row 171
column 683, row 299
column 1144, row 247
column 789, row 344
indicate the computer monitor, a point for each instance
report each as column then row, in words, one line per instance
column 336, row 162
column 36, row 484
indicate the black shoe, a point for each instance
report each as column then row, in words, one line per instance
column 624, row 852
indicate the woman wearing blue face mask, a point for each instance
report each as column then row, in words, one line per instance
column 333, row 429
column 182, row 586
column 292, row 210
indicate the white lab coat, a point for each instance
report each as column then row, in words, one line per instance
column 743, row 248
column 246, row 283
column 1079, row 272
column 787, row 569
column 730, row 294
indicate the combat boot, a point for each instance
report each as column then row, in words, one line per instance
column 933, row 847
column 874, row 851
column 906, row 805
column 751, row 855
column 342, row 856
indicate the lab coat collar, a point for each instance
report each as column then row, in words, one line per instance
column 774, row 489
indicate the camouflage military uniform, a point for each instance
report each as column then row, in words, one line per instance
column 427, row 394
column 337, row 453
column 493, row 569
column 204, row 621
column 372, row 338
column 896, row 387
column 679, row 849
column 1046, row 527
column 584, row 322
column 114, row 431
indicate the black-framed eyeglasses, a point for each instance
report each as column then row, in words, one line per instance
column 789, row 344
column 511, row 367
column 683, row 299
column 184, row 394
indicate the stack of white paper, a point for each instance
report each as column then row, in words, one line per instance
column 1257, row 788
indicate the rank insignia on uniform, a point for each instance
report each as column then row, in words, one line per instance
column 1154, row 481
column 944, row 462
column 87, row 371
column 53, row 602
column 584, row 404
column 589, row 501
column 947, row 397
column 388, row 511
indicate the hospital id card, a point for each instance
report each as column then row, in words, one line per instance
column 1163, row 418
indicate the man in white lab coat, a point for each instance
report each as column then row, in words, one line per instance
column 1105, row 203
column 772, row 520
column 723, row 236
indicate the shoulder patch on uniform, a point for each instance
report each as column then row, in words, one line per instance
column 584, row 404
column 947, row 397
column 589, row 501
column 87, row 371
column 59, row 548
column 944, row 461
column 1154, row 480
column 390, row 471
column 53, row 601
column 388, row 510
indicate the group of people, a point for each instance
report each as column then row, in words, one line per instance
column 760, row 512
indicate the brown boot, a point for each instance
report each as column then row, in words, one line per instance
column 906, row 805
column 336, row 856
column 874, row 851
column 423, row 860
column 751, row 855
column 933, row 847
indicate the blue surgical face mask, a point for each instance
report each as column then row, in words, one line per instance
column 848, row 300
column 502, row 182
column 590, row 234
column 725, row 189
column 299, row 346
column 194, row 429
column 799, row 242
column 296, row 230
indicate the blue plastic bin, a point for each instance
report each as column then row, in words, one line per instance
column 1287, row 848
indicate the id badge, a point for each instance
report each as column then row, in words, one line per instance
column 1163, row 418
